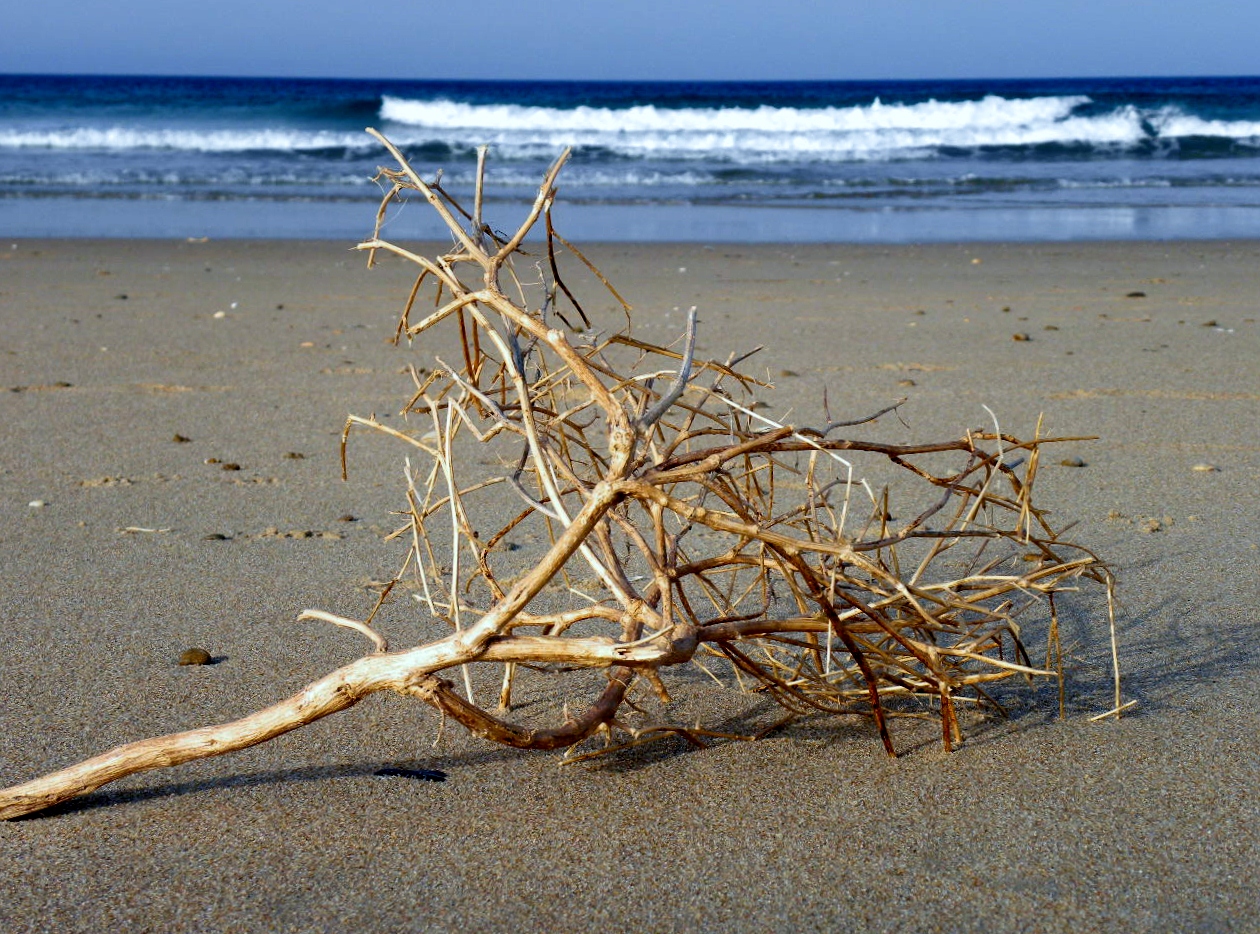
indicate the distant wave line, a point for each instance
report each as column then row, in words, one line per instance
column 756, row 135
column 1032, row 119
column 990, row 111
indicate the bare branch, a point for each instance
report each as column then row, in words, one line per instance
column 666, row 401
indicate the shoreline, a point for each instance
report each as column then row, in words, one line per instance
column 628, row 222
column 257, row 349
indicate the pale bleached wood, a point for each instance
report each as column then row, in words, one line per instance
column 807, row 603
column 405, row 672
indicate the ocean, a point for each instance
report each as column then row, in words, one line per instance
column 887, row 161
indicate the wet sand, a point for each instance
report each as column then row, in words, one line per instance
column 145, row 545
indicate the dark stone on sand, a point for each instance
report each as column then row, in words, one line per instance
column 216, row 537
column 230, row 467
column 1135, row 295
column 181, row 439
column 194, row 657
column 294, row 456
column 1021, row 336
column 1072, row 462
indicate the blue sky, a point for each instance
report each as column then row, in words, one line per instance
column 638, row 39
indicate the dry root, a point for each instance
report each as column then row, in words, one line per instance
column 647, row 517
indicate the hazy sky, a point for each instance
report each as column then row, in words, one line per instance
column 637, row 39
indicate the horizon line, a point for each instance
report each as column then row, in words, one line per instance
column 661, row 81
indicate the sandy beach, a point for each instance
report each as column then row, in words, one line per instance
column 123, row 546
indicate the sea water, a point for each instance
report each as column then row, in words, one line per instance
column 793, row 161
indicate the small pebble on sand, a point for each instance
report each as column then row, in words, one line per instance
column 37, row 503
column 425, row 775
column 1072, row 462
column 1205, row 468
column 1021, row 336
column 194, row 657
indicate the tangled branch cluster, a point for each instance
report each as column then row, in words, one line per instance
column 667, row 523
column 711, row 531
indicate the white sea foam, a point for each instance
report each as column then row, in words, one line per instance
column 118, row 138
column 760, row 135
column 989, row 112
column 1104, row 183
column 1172, row 123
column 775, row 133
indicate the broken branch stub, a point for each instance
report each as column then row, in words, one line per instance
column 646, row 520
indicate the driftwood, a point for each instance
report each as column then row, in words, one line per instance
column 669, row 523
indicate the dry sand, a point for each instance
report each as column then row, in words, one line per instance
column 256, row 351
